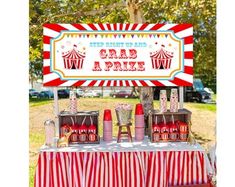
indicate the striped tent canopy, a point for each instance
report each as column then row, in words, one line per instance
column 73, row 54
column 73, row 59
column 161, row 58
column 162, row 54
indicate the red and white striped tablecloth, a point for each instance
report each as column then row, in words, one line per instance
column 120, row 169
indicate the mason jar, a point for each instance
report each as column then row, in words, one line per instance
column 49, row 132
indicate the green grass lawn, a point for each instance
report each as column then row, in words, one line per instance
column 36, row 140
column 32, row 168
column 37, row 102
column 211, row 107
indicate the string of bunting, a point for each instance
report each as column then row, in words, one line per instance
column 108, row 35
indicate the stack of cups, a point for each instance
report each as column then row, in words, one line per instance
column 107, row 126
column 73, row 102
column 174, row 101
column 139, row 122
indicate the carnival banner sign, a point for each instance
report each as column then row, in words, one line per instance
column 118, row 55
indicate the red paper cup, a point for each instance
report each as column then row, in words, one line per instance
column 139, row 134
column 139, row 109
column 139, row 130
column 139, row 120
column 107, row 115
column 107, row 126
column 107, row 137
column 108, row 134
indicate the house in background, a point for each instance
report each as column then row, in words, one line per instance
column 37, row 85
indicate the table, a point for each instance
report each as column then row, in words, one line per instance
column 136, row 164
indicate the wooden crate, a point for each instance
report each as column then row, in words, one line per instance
column 65, row 118
column 182, row 115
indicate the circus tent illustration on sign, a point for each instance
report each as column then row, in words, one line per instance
column 161, row 59
column 73, row 59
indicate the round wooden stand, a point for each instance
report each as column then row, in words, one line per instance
column 122, row 133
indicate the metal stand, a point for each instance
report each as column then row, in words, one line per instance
column 181, row 97
column 56, row 112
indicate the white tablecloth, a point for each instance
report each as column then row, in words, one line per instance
column 113, row 146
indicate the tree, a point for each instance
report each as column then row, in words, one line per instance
column 66, row 11
column 35, row 71
column 146, row 93
column 200, row 13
